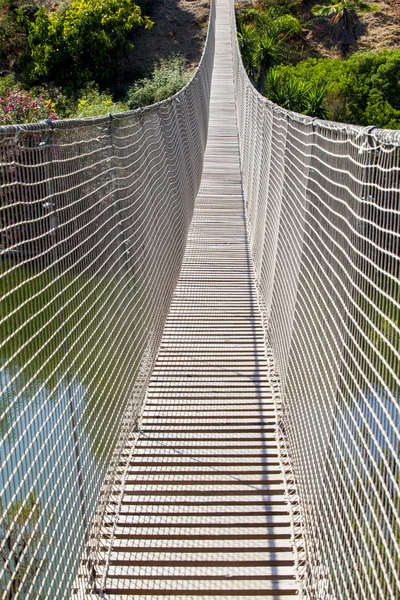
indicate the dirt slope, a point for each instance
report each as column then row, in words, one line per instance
column 380, row 29
column 180, row 27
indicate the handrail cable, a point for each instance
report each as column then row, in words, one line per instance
column 94, row 216
column 323, row 213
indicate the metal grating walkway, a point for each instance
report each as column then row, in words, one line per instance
column 203, row 512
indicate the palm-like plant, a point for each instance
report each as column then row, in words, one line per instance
column 290, row 94
column 344, row 15
column 261, row 40
column 267, row 57
column 247, row 39
column 315, row 102
column 298, row 96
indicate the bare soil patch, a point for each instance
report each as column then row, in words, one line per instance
column 379, row 30
column 180, row 27
column 382, row 27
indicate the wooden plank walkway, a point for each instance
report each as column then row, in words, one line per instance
column 203, row 512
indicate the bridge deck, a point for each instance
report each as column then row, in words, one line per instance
column 204, row 512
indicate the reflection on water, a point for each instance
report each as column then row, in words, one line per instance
column 36, row 423
column 63, row 343
column 366, row 475
column 37, row 453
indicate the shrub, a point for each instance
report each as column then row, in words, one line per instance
column 380, row 112
column 19, row 106
column 25, row 543
column 92, row 103
column 167, row 79
column 62, row 103
column 41, row 102
column 83, row 42
column 374, row 80
column 7, row 83
column 363, row 89
column 297, row 95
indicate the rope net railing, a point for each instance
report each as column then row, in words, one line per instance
column 323, row 211
column 94, row 215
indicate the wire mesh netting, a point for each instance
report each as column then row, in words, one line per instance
column 94, row 216
column 323, row 209
column 93, row 221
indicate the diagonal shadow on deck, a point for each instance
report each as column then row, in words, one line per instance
column 203, row 511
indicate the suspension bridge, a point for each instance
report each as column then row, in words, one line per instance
column 200, row 349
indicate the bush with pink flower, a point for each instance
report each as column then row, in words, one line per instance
column 20, row 106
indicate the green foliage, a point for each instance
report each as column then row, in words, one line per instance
column 280, row 7
column 247, row 34
column 336, row 10
column 18, row 105
column 266, row 56
column 285, row 26
column 380, row 112
column 83, row 42
column 7, row 83
column 46, row 43
column 363, row 89
column 297, row 95
column 166, row 81
column 344, row 15
column 13, row 38
column 247, row 39
column 315, row 102
column 369, row 73
column 92, row 103
column 276, row 26
column 22, row 538
column 263, row 39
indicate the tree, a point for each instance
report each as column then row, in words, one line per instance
column 247, row 39
column 267, row 57
column 22, row 546
column 261, row 37
column 84, row 40
column 344, row 16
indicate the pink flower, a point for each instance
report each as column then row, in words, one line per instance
column 318, row 28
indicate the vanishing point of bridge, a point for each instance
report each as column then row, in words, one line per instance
column 203, row 509
column 200, row 345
